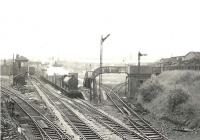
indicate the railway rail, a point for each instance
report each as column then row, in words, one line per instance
column 100, row 117
column 107, row 121
column 138, row 131
column 84, row 130
column 42, row 128
column 135, row 122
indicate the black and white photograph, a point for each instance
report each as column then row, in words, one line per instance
column 100, row 69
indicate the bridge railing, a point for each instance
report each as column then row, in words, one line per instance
column 109, row 69
column 189, row 67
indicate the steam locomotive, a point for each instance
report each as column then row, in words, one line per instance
column 67, row 84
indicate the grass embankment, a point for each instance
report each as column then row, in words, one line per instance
column 174, row 96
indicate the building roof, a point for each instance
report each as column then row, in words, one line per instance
column 21, row 58
column 195, row 53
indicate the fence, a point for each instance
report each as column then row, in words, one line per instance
column 189, row 67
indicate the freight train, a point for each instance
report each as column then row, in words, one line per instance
column 67, row 84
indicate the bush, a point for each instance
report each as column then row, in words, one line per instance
column 177, row 97
column 150, row 90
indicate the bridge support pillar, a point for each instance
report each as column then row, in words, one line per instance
column 133, row 84
column 135, row 79
column 94, row 87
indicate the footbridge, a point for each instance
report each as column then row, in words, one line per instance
column 135, row 77
column 106, row 69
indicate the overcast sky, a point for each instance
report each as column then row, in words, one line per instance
column 71, row 29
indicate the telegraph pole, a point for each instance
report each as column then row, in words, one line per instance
column 101, row 63
column 13, row 69
column 139, row 55
column 125, row 71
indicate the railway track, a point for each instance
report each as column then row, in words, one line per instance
column 138, row 130
column 135, row 122
column 100, row 117
column 84, row 130
column 107, row 121
column 41, row 127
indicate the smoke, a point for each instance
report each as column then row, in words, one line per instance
column 57, row 70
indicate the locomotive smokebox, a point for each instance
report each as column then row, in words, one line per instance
column 70, row 81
